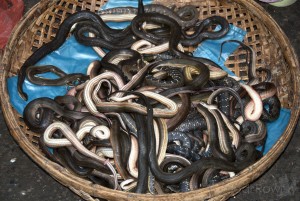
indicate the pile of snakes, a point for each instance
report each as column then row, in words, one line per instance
column 149, row 117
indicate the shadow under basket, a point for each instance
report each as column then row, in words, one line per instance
column 272, row 48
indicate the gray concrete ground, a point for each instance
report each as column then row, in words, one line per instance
column 22, row 179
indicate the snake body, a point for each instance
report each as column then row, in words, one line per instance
column 39, row 113
column 64, row 79
column 179, row 16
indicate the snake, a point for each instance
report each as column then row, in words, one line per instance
column 48, row 152
column 213, row 129
column 39, row 113
column 179, row 161
column 224, row 98
column 212, row 176
column 85, row 161
column 254, row 132
column 223, row 135
column 70, row 102
column 234, row 132
column 254, row 109
column 131, row 58
column 200, row 33
column 265, row 90
column 143, row 166
column 130, row 123
column 273, row 112
column 121, row 144
column 190, row 124
column 147, row 48
column 91, row 84
column 185, row 147
column 198, row 82
column 143, row 149
column 181, row 137
column 64, row 79
column 133, row 157
column 165, row 77
column 70, row 136
column 183, row 111
column 99, row 37
column 70, row 162
column 179, row 16
column 103, row 179
column 185, row 152
column 118, row 106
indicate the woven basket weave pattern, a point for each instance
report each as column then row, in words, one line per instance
column 41, row 25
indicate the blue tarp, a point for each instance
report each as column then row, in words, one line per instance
column 275, row 129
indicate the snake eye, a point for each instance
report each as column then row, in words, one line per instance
column 37, row 115
column 75, row 82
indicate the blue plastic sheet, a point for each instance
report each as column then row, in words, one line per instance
column 122, row 3
column 71, row 57
column 210, row 49
column 275, row 129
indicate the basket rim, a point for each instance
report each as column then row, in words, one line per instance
column 230, row 186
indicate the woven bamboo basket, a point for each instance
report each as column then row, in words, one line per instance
column 273, row 51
